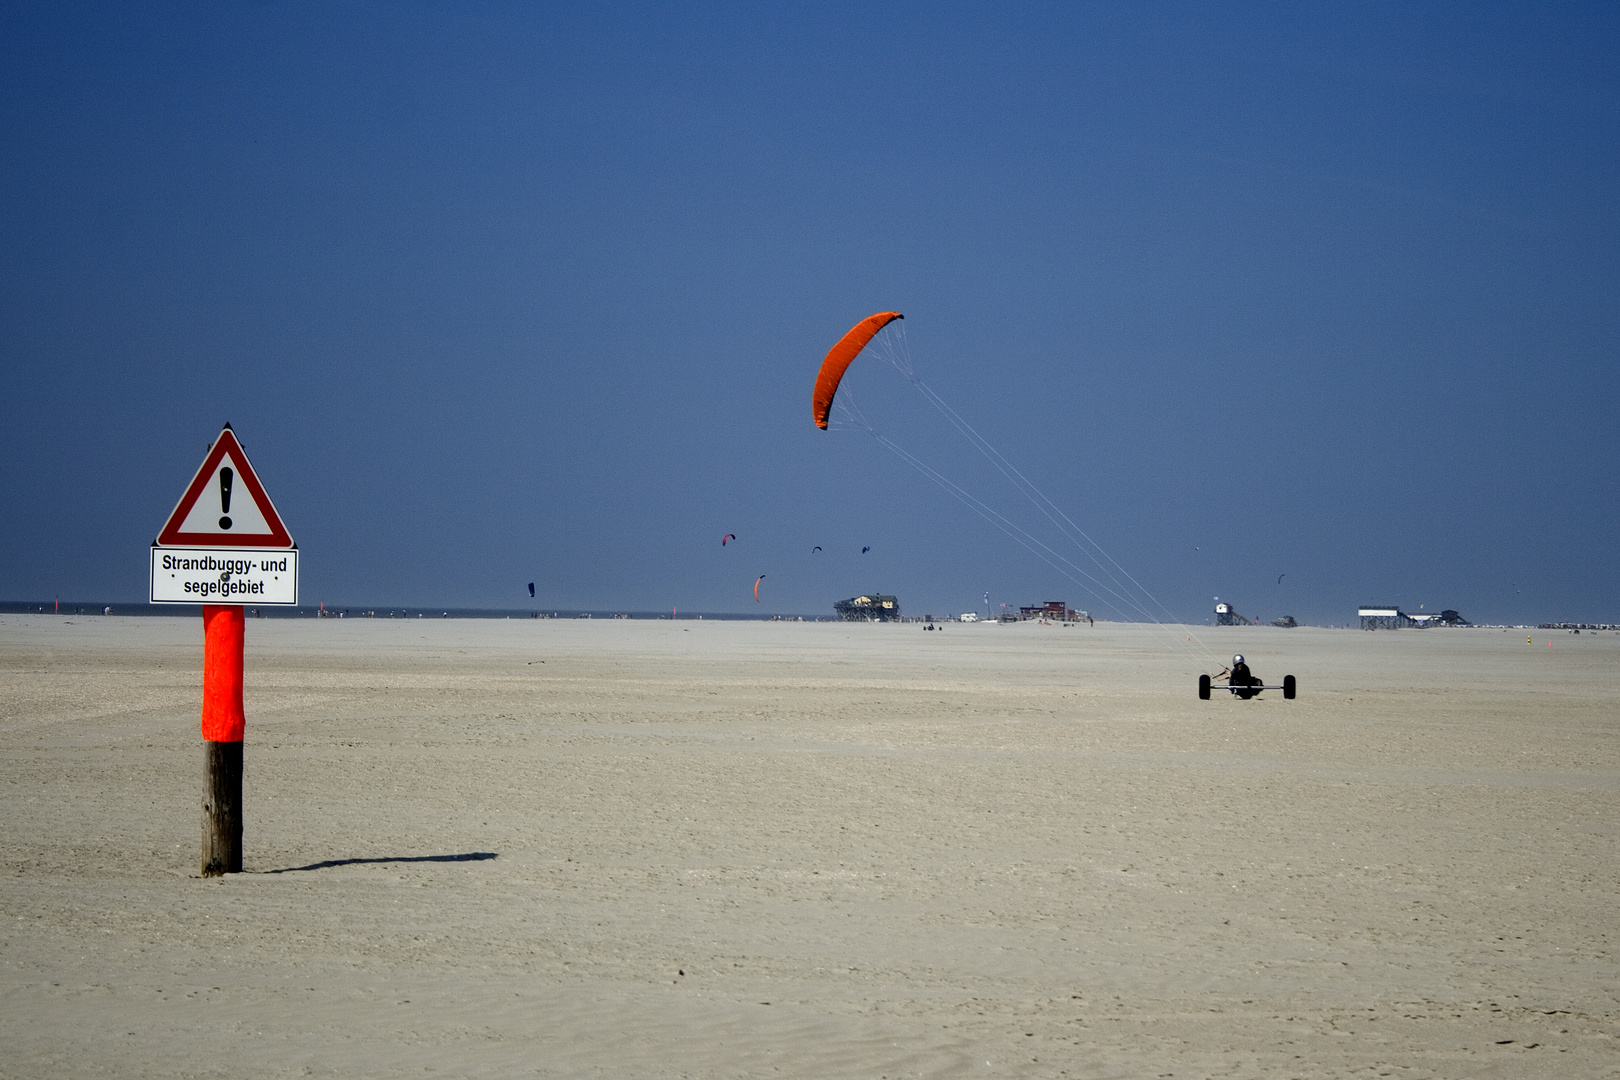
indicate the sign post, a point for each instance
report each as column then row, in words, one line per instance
column 224, row 542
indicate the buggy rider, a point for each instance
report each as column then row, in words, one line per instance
column 1239, row 679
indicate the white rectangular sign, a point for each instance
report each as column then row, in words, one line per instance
column 214, row 575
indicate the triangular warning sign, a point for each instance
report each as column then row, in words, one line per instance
column 225, row 506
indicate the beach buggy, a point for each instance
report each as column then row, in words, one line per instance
column 1242, row 682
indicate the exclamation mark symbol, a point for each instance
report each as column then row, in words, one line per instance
column 225, row 478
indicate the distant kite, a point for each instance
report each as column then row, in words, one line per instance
column 1280, row 577
column 815, row 549
column 531, row 589
column 728, row 537
column 864, row 550
column 756, row 587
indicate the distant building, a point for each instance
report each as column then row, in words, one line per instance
column 1052, row 609
column 1384, row 617
column 873, row 608
column 1390, row 617
column 1286, row 622
column 1227, row 615
column 1447, row 617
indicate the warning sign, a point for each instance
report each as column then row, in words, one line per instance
column 225, row 506
column 225, row 543
column 267, row 576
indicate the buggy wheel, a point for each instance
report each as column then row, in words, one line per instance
column 1288, row 687
column 1203, row 687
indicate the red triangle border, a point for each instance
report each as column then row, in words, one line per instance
column 171, row 536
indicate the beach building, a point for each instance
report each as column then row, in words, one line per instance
column 1391, row 617
column 1384, row 617
column 873, row 608
column 1052, row 609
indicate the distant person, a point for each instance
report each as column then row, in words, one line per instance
column 1239, row 679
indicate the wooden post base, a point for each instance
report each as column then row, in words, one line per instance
column 222, row 809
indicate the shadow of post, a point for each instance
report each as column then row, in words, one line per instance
column 466, row 856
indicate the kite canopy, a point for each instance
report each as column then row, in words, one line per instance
column 728, row 537
column 838, row 360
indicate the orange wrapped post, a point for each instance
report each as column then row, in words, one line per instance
column 223, row 725
column 224, row 629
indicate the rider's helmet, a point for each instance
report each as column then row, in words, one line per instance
column 1238, row 659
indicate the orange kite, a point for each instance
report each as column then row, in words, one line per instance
column 839, row 359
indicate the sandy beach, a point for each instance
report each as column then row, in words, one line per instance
column 727, row 849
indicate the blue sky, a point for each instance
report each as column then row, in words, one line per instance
column 495, row 294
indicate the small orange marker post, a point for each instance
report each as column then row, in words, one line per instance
column 223, row 726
